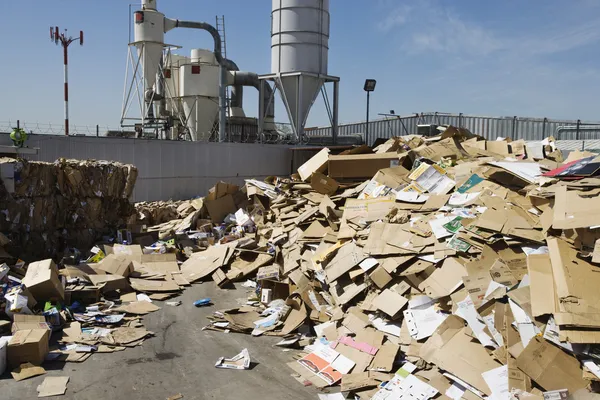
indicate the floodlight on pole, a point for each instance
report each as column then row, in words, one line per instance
column 65, row 41
column 369, row 87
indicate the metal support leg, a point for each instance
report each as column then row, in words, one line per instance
column 261, row 112
column 336, row 110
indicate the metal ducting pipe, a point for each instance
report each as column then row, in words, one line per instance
column 241, row 79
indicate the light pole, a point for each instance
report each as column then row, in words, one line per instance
column 65, row 42
column 369, row 87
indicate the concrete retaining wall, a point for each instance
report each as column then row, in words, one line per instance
column 170, row 170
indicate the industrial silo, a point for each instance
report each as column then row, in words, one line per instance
column 299, row 56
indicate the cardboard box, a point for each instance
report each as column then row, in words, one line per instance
column 317, row 163
column 114, row 264
column 323, row 184
column 22, row 322
column 219, row 208
column 132, row 251
column 360, row 165
column 43, row 281
column 30, row 345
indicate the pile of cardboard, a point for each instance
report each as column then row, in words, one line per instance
column 426, row 267
column 87, row 308
column 461, row 268
column 48, row 206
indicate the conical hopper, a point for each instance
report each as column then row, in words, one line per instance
column 298, row 94
column 150, row 55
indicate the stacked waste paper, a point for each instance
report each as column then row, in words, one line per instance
column 46, row 207
column 435, row 267
column 427, row 267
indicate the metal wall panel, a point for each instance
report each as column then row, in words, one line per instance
column 170, row 169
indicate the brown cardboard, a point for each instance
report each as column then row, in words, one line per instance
column 571, row 210
column 577, row 336
column 380, row 277
column 442, row 149
column 143, row 285
column 360, row 165
column 220, row 278
column 576, row 282
column 550, row 367
column 347, row 257
column 219, row 208
column 132, row 251
column 384, row 359
column 30, row 345
column 323, row 184
column 498, row 147
column 109, row 283
column 26, row 371
column 543, row 299
column 392, row 177
column 390, row 302
column 116, row 265
column 22, row 322
column 43, row 282
column 465, row 359
column 317, row 163
column 365, row 210
column 445, row 279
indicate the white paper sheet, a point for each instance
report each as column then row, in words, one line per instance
column 321, row 327
column 368, row 263
column 459, row 199
column 456, row 391
column 409, row 387
column 389, row 328
column 535, row 250
column 343, row 364
column 524, row 282
column 489, row 322
column 527, row 329
column 465, row 385
column 466, row 310
column 437, row 226
column 411, row 197
column 528, row 171
column 333, row 396
column 491, row 288
column 593, row 367
column 497, row 380
column 422, row 323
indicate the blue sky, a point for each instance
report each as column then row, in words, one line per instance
column 511, row 57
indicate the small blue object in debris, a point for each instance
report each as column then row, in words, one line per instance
column 202, row 302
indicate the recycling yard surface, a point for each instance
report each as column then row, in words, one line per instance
column 424, row 268
column 180, row 359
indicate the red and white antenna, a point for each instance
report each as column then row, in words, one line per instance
column 65, row 41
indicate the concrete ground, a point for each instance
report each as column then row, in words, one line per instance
column 179, row 359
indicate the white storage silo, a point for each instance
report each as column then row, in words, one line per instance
column 199, row 86
column 299, row 53
column 149, row 39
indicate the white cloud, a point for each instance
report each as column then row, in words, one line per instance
column 439, row 29
column 397, row 17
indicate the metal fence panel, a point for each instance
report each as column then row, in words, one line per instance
column 489, row 127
